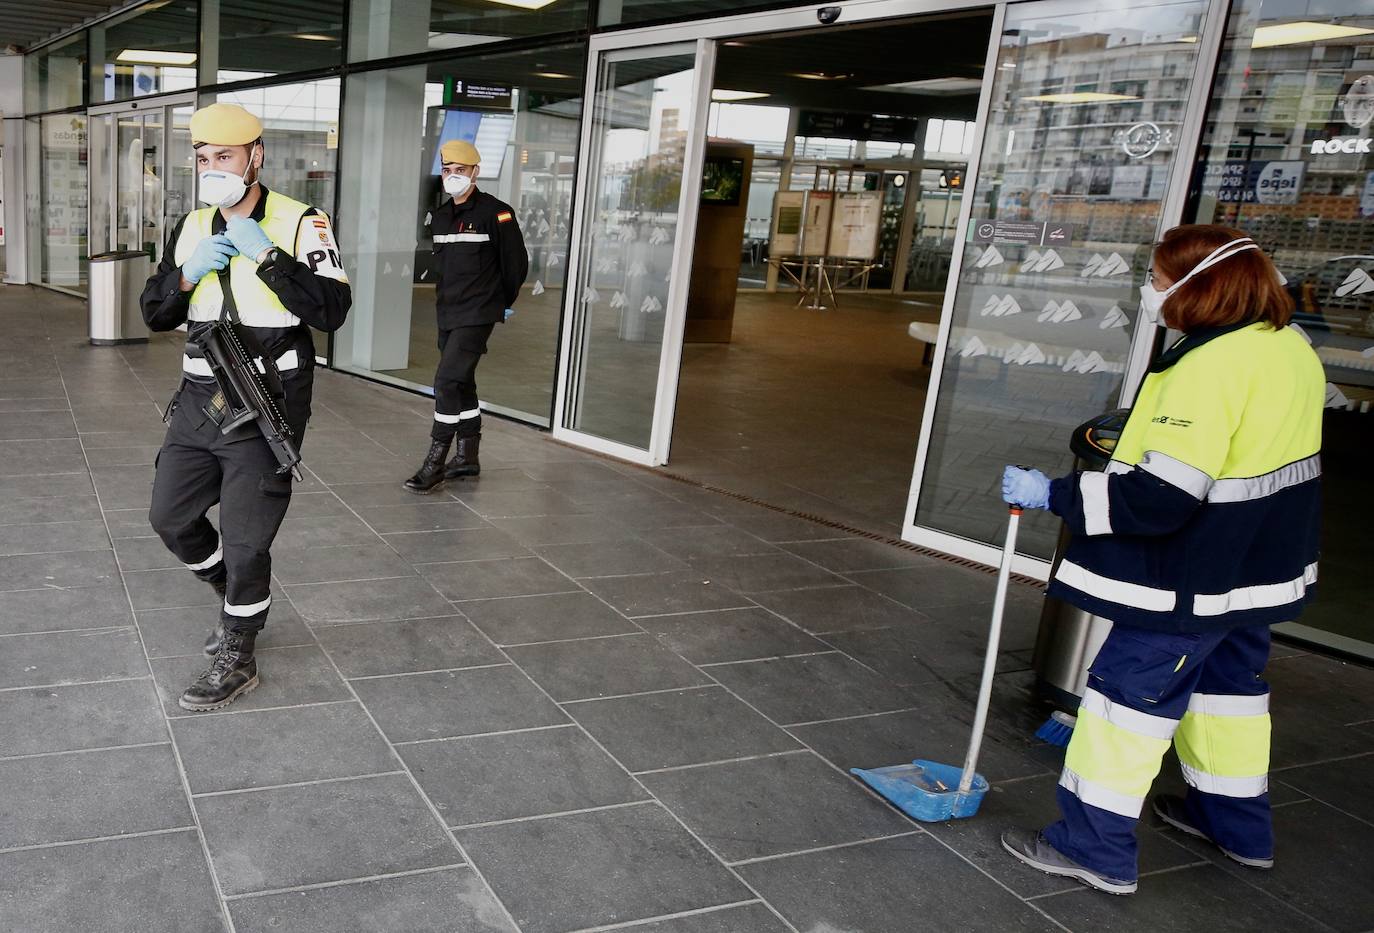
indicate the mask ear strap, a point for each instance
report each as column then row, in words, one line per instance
column 1217, row 255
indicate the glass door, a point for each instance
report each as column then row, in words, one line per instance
column 642, row 150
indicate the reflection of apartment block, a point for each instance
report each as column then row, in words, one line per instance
column 672, row 140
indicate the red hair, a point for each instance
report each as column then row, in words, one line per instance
column 1242, row 287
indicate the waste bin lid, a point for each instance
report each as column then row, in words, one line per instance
column 119, row 254
column 1094, row 440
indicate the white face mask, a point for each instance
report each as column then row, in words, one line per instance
column 1152, row 299
column 221, row 189
column 457, row 185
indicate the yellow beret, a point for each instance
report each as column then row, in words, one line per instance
column 224, row 125
column 460, row 151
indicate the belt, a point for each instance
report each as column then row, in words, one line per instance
column 196, row 366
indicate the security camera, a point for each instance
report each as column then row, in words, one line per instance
column 829, row 14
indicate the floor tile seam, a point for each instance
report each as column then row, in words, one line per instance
column 1327, row 803
column 812, row 850
column 343, row 882
column 333, row 582
column 569, row 641
column 83, row 751
column 1322, row 761
column 439, row 670
column 482, row 735
column 539, row 817
column 424, row 797
column 691, row 612
column 99, row 630
column 628, row 696
column 177, row 717
column 344, row 779
column 822, row 722
column 721, row 761
column 770, row 657
column 484, row 599
column 333, row 623
column 679, row 915
column 201, row 654
column 60, row 521
column 87, row 840
column 75, row 683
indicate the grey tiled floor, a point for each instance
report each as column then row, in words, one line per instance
column 570, row 695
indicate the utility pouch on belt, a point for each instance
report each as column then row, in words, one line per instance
column 250, row 386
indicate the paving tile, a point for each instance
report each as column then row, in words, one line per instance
column 144, row 554
column 148, row 884
column 49, row 609
column 937, row 731
column 844, row 555
column 815, row 687
column 366, row 649
column 770, row 806
column 839, row 609
column 936, row 584
column 145, row 437
column 443, row 705
column 633, row 862
column 465, row 544
column 705, row 541
column 128, row 523
column 436, row 516
column 69, row 509
column 448, row 901
column 176, row 633
column 286, row 677
column 304, row 531
column 93, row 418
column 918, row 655
column 39, row 457
column 71, row 657
column 662, row 593
column 526, row 619
column 577, row 670
column 143, row 455
column 373, row 561
column 515, row 504
column 60, row 719
column 280, row 746
column 173, row 588
column 750, row 918
column 870, row 887
column 357, row 828
column 368, row 600
column 1341, row 784
column 684, row 727
column 389, row 470
column 770, row 525
column 84, row 795
column 758, row 572
column 652, row 511
column 68, row 569
column 373, row 495
column 609, row 558
column 26, row 425
column 486, row 579
column 504, row 777
column 123, row 487
column 731, row 635
column 51, row 485
column 562, row 529
column 1201, row 898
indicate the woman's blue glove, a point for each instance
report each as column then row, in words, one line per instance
column 1027, row 488
column 211, row 254
column 248, row 238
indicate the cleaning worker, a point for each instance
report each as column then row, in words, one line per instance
column 480, row 263
column 280, row 263
column 1202, row 533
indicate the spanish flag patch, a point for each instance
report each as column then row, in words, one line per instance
column 503, row 217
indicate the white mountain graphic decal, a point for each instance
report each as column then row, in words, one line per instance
column 1358, row 282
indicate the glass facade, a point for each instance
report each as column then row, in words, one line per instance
column 1286, row 158
column 1087, row 104
column 150, row 50
column 62, row 155
column 248, row 40
column 385, row 28
column 55, row 75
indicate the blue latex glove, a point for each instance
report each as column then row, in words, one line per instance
column 1029, row 489
column 248, row 238
column 509, row 313
column 211, row 254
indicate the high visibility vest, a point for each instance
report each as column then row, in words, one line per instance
column 258, row 305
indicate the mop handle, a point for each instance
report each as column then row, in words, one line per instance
column 999, row 605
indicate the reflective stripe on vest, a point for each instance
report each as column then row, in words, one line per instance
column 258, row 305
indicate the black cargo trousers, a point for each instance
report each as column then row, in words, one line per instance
column 198, row 467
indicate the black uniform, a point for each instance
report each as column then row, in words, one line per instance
column 198, row 466
column 480, row 263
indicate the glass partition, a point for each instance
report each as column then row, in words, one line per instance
column 55, row 75
column 1087, row 102
column 385, row 28
column 300, row 135
column 1286, row 158
column 150, row 50
column 523, row 110
column 242, row 40
column 62, row 200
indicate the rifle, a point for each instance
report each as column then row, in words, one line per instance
column 250, row 384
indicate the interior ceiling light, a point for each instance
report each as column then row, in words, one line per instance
column 931, row 86
column 1081, row 97
column 724, row 96
column 1266, row 37
column 524, row 4
column 818, row 76
column 314, row 37
column 156, row 57
column 552, row 74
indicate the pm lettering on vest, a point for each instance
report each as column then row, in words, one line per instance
column 316, row 257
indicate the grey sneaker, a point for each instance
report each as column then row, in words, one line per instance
column 1030, row 847
column 1171, row 809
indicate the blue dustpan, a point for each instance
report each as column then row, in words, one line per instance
column 927, row 790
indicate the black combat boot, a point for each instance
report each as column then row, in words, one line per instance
column 233, row 672
column 464, row 462
column 431, row 473
column 212, row 641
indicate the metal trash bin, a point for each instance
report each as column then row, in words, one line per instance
column 1069, row 637
column 117, row 280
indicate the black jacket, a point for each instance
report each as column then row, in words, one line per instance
column 480, row 260
column 319, row 301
